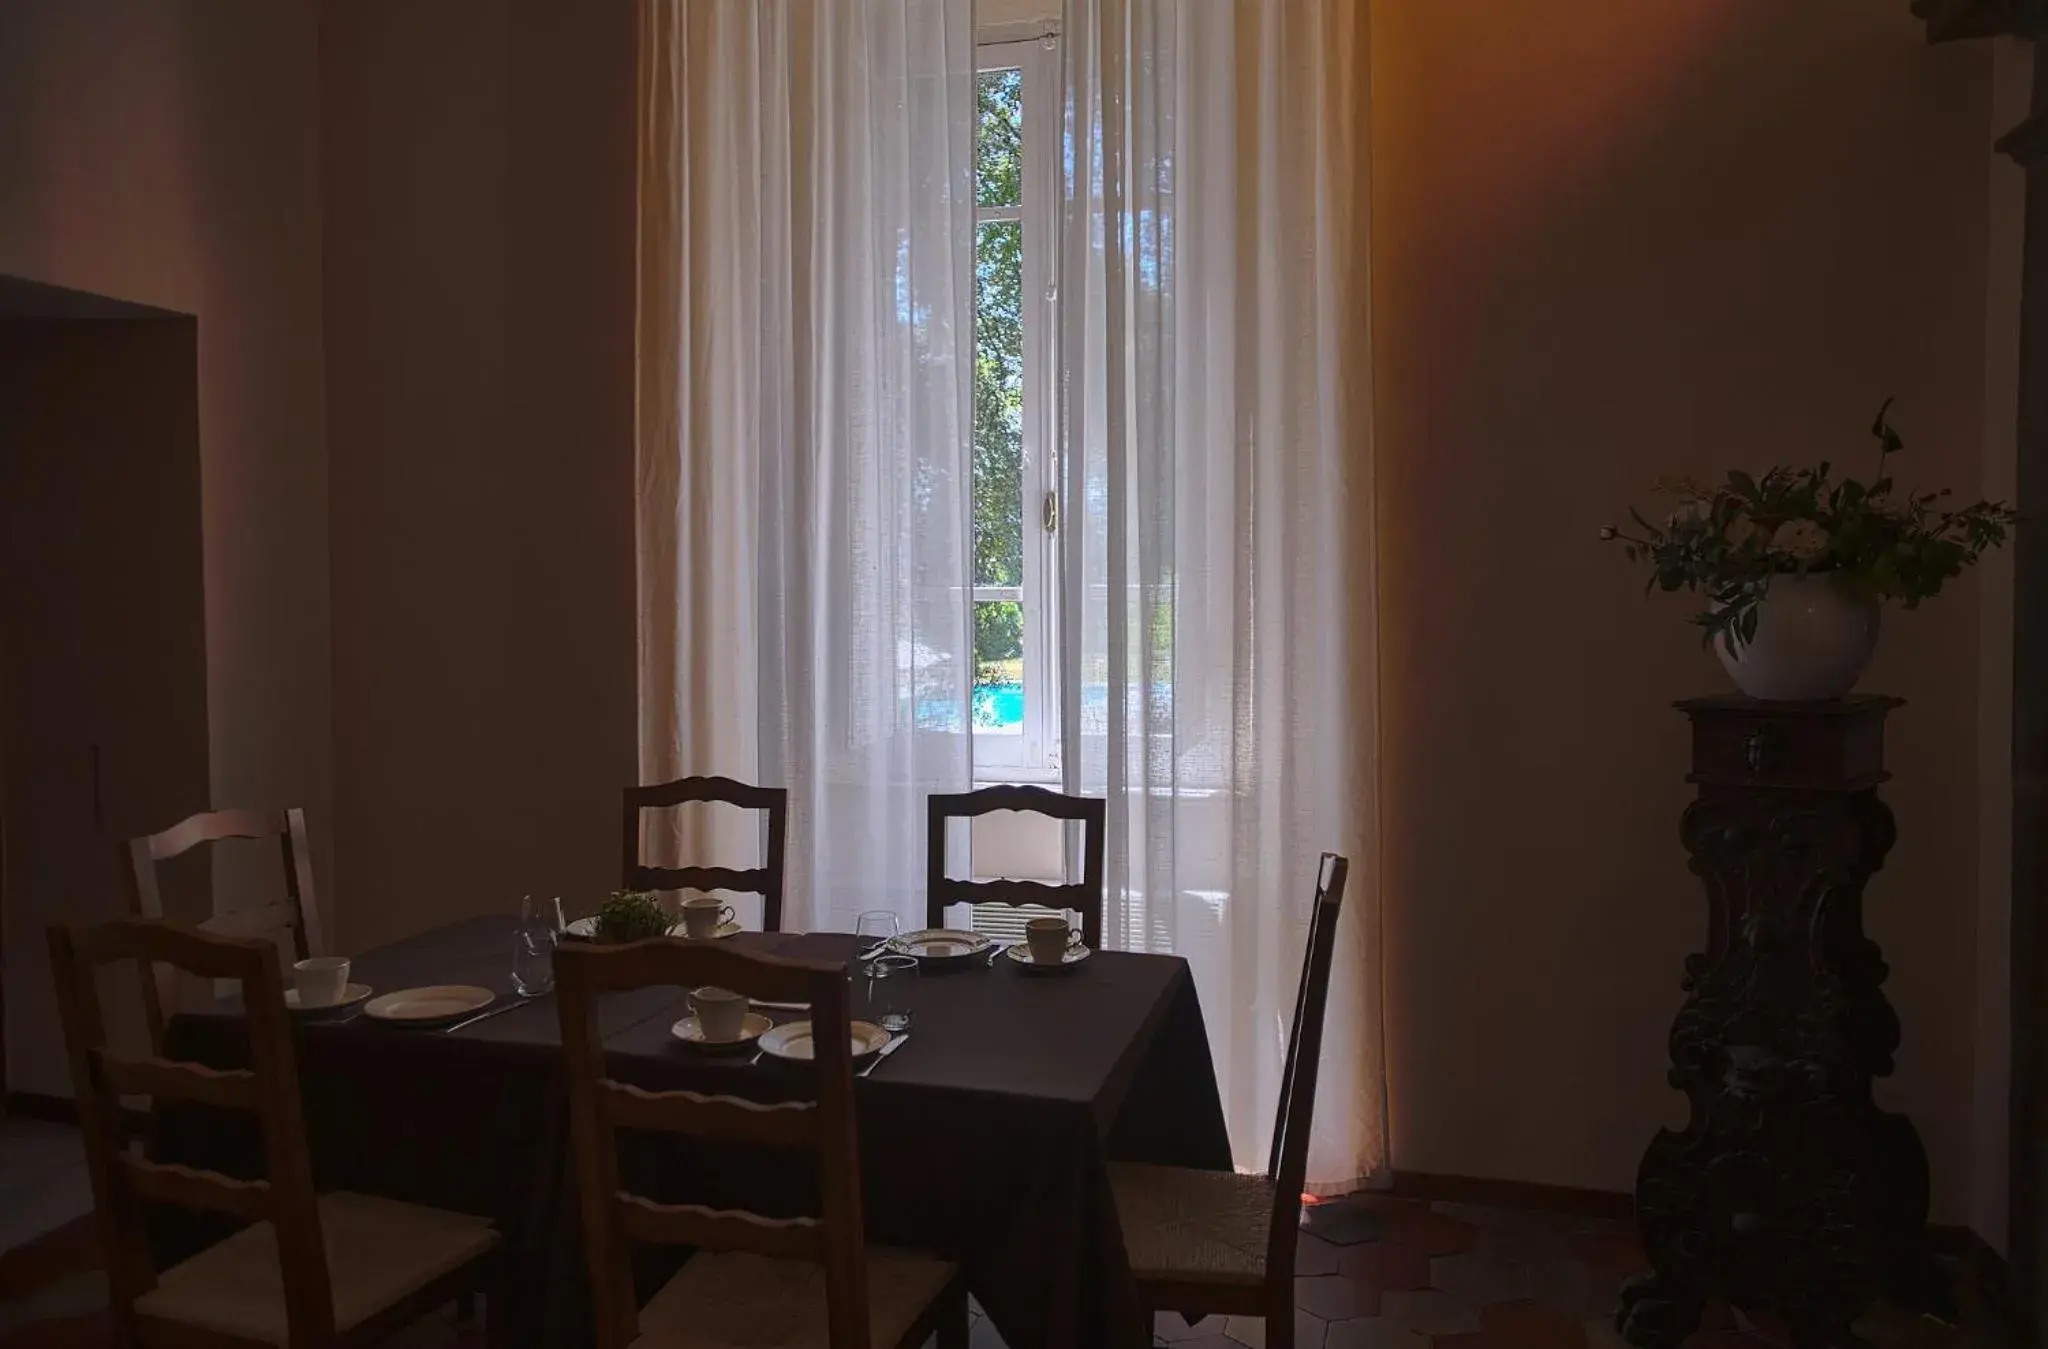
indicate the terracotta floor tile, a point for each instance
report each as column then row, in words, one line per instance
column 1614, row 1253
column 1430, row 1312
column 1576, row 1289
column 1373, row 1333
column 1471, row 1339
column 1250, row 1331
column 1169, row 1327
column 1336, row 1298
column 1390, row 1266
column 1531, row 1325
column 1433, row 1232
column 1480, row 1279
column 1313, row 1255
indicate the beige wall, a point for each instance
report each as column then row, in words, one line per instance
column 168, row 153
column 1616, row 240
column 479, row 212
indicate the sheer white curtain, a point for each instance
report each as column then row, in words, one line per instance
column 1215, row 369
column 806, row 330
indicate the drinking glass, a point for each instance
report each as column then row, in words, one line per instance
column 891, row 980
column 874, row 926
column 533, row 945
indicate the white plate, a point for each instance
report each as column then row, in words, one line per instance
column 350, row 996
column 941, row 945
column 1021, row 954
column 793, row 1040
column 690, row 1033
column 436, row 1002
column 585, row 929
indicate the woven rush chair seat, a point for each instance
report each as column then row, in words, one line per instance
column 739, row 1300
column 379, row 1251
column 1186, row 1225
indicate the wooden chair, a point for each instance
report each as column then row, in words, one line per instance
column 764, row 880
column 298, row 912
column 786, row 1283
column 1215, row 1243
column 1085, row 898
column 310, row 1270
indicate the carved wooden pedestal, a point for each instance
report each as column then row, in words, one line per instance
column 1788, row 1192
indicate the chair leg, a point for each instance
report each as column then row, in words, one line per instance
column 1280, row 1318
column 953, row 1321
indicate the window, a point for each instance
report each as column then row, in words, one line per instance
column 1016, row 692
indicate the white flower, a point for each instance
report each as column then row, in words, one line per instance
column 1800, row 540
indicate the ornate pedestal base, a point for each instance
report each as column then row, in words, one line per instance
column 1788, row 1192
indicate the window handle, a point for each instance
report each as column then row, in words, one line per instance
column 1049, row 517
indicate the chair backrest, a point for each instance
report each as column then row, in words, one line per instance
column 1084, row 897
column 764, row 880
column 298, row 913
column 1288, row 1162
column 823, row 1127
column 124, row 1180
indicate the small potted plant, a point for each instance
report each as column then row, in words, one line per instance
column 1795, row 565
column 631, row 915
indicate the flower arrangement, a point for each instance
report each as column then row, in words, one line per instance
column 1729, row 542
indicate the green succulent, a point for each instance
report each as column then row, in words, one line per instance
column 631, row 915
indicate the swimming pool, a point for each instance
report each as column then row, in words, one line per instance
column 998, row 707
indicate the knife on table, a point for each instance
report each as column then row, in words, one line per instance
column 884, row 1052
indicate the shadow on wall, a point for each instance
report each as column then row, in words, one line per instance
column 1614, row 241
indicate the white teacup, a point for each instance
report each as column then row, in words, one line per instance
column 703, row 915
column 1049, row 939
column 320, row 981
column 721, row 1013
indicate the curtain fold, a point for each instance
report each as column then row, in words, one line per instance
column 1219, row 624
column 805, row 338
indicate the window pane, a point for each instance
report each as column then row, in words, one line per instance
column 999, row 138
column 999, row 666
column 999, row 404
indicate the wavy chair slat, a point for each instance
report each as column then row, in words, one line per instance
column 725, row 1119
column 164, row 1079
column 644, row 1220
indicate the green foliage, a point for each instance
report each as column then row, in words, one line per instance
column 998, row 638
column 1728, row 542
column 631, row 915
column 998, row 492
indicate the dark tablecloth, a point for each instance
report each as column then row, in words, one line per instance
column 983, row 1139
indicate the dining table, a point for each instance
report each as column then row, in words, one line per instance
column 985, row 1138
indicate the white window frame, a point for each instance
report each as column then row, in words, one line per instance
column 1033, row 755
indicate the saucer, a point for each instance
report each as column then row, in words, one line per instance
column 1020, row 955
column 719, row 933
column 690, row 1033
column 350, row 996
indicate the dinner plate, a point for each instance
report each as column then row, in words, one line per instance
column 436, row 1002
column 941, row 947
column 350, row 996
column 792, row 1040
column 585, row 929
column 690, row 1033
column 1020, row 954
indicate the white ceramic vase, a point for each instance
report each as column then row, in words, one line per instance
column 1814, row 635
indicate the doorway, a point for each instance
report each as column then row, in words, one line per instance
column 103, row 725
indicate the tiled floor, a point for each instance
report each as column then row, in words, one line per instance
column 1372, row 1273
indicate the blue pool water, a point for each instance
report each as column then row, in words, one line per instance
column 998, row 706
